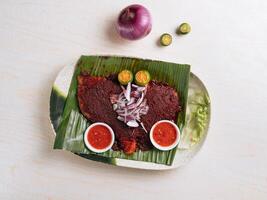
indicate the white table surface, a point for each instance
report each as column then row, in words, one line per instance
column 227, row 48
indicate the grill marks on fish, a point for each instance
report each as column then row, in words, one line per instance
column 94, row 101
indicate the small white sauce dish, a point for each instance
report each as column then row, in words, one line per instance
column 174, row 144
column 89, row 146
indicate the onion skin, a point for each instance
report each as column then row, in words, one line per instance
column 134, row 22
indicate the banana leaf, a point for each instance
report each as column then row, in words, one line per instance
column 73, row 124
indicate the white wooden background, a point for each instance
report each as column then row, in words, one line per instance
column 227, row 49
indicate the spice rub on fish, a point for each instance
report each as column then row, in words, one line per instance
column 163, row 102
column 94, row 101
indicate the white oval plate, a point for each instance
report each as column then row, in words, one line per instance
column 194, row 132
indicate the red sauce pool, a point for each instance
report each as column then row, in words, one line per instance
column 164, row 134
column 99, row 137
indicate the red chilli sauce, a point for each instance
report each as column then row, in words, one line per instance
column 99, row 137
column 164, row 134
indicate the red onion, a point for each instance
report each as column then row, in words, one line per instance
column 130, row 105
column 134, row 22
